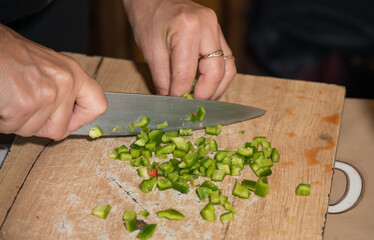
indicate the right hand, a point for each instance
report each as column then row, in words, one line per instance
column 43, row 93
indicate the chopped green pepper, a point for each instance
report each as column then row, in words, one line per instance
column 262, row 187
column 303, row 189
column 167, row 136
column 181, row 187
column 124, row 156
column 222, row 199
column 245, row 151
column 192, row 117
column 164, row 184
column 95, row 132
column 155, row 136
column 148, row 185
column 229, row 207
column 213, row 147
column 143, row 172
column 180, row 143
column 116, row 128
column 214, row 197
column 162, row 125
column 185, row 131
column 129, row 218
column 179, row 153
column 241, row 191
column 209, row 213
column 188, row 95
column 275, row 155
column 147, row 231
column 170, row 214
column 213, row 130
column 143, row 213
column 200, row 114
column 210, row 185
column 136, row 162
column 227, row 217
column 168, row 148
column 249, row 184
column 131, row 127
column 218, row 175
column 101, row 211
column 220, row 155
column 203, row 192
column 142, row 123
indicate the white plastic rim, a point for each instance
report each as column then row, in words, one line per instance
column 353, row 190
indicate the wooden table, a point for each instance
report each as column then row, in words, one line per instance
column 48, row 189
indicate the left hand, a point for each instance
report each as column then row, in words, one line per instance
column 172, row 34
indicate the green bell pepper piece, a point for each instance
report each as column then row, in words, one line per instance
column 101, row 211
column 170, row 214
column 147, row 231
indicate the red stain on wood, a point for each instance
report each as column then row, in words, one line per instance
column 290, row 134
column 276, row 88
column 289, row 111
column 333, row 119
column 306, row 98
column 287, row 164
column 311, row 154
column 316, row 183
column 328, row 168
column 312, row 99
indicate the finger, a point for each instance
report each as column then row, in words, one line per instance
column 212, row 69
column 57, row 124
column 230, row 69
column 159, row 65
column 90, row 103
column 184, row 60
column 35, row 123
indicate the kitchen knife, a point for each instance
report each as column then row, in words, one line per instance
column 126, row 108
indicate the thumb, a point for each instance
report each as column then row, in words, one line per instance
column 90, row 103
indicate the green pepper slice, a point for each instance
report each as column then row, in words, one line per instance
column 129, row 218
column 209, row 213
column 147, row 231
column 101, row 211
column 170, row 214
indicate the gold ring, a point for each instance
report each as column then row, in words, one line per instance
column 229, row 57
column 218, row 53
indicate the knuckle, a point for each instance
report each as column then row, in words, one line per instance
column 187, row 22
column 65, row 79
column 48, row 93
column 209, row 15
column 25, row 104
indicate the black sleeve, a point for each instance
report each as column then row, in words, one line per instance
column 12, row 10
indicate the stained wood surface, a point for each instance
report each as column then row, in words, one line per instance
column 48, row 189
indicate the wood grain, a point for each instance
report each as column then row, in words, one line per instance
column 69, row 178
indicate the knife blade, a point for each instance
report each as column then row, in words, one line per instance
column 126, row 108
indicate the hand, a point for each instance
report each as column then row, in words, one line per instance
column 172, row 35
column 42, row 92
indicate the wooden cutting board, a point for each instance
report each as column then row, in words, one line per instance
column 48, row 189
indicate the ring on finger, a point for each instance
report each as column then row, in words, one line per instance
column 218, row 53
column 229, row 57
